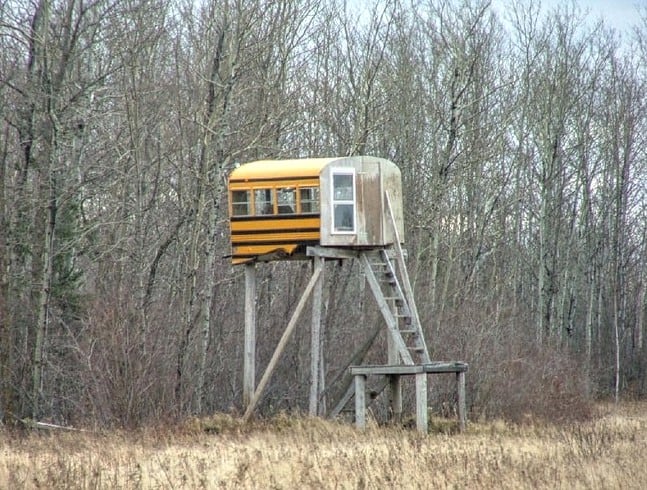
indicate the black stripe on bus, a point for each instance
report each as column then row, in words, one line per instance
column 275, row 230
column 274, row 217
column 271, row 179
column 269, row 242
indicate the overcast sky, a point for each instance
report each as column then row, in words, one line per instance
column 621, row 14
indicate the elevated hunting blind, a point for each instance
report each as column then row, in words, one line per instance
column 280, row 207
column 333, row 208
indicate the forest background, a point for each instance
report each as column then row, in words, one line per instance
column 521, row 140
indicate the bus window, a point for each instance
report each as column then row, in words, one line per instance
column 343, row 201
column 309, row 197
column 264, row 201
column 240, row 203
column 286, row 198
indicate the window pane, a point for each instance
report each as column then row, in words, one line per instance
column 240, row 203
column 309, row 199
column 286, row 200
column 344, row 217
column 264, row 201
column 343, row 187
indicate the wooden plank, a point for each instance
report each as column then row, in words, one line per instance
column 249, row 348
column 315, row 338
column 360, row 401
column 331, row 253
column 404, row 369
column 281, row 345
column 445, row 367
column 422, row 422
column 400, row 369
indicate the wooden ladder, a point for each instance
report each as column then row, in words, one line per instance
column 392, row 290
column 397, row 307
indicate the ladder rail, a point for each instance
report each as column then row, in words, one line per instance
column 418, row 347
column 391, row 321
column 394, row 278
column 408, row 290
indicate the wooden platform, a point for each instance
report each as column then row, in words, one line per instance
column 420, row 371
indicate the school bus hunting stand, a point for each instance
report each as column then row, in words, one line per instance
column 332, row 208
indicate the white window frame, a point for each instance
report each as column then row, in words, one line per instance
column 333, row 201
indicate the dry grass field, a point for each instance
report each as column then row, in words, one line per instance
column 220, row 452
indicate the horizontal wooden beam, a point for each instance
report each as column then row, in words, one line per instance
column 332, row 253
column 404, row 370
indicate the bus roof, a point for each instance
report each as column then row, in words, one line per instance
column 263, row 169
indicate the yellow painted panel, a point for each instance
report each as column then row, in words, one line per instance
column 246, row 253
column 275, row 224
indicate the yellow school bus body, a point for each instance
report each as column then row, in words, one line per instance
column 278, row 208
column 274, row 235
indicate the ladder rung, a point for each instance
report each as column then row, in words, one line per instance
column 398, row 301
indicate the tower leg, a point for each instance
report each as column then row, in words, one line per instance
column 360, row 401
column 249, row 356
column 395, row 398
column 421, row 402
column 315, row 352
column 462, row 415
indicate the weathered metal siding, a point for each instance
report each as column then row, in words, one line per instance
column 392, row 183
column 369, row 205
column 373, row 176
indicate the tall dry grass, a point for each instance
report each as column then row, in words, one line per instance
column 220, row 452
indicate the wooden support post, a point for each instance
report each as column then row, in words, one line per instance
column 360, row 401
column 421, row 402
column 395, row 398
column 249, row 356
column 315, row 343
column 462, row 415
column 281, row 345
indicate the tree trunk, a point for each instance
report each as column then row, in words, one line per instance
column 7, row 391
column 44, row 298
